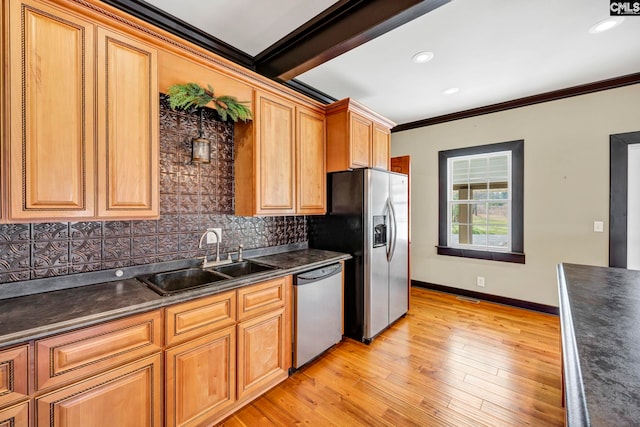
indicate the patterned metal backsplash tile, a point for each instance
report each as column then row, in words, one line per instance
column 192, row 198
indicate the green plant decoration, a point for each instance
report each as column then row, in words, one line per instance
column 185, row 96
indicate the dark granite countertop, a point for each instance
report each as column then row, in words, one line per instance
column 28, row 317
column 600, row 317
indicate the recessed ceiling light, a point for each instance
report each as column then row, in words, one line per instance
column 451, row 91
column 606, row 24
column 422, row 57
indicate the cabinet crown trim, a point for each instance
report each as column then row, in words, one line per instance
column 356, row 107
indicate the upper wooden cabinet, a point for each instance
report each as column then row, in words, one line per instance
column 275, row 154
column 380, row 148
column 279, row 159
column 63, row 162
column 51, row 81
column 360, row 133
column 311, row 176
column 128, row 145
column 356, row 137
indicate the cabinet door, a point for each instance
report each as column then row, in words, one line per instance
column 14, row 375
column 129, row 396
column 311, row 171
column 380, row 148
column 262, row 358
column 275, row 155
column 201, row 379
column 3, row 98
column 361, row 134
column 51, row 148
column 128, row 144
column 15, row 416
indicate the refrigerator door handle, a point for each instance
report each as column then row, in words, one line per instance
column 394, row 225
column 387, row 214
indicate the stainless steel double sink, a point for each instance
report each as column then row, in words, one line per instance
column 171, row 282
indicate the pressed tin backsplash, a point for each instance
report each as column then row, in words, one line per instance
column 192, row 198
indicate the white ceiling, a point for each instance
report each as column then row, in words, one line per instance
column 492, row 50
column 248, row 25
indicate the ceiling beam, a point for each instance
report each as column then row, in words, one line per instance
column 340, row 28
column 310, row 91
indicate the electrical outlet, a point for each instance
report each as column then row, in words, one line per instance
column 480, row 281
column 598, row 226
column 211, row 237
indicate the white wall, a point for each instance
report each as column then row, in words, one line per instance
column 566, row 188
column 633, row 208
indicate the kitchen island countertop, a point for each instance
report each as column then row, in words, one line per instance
column 38, row 315
column 600, row 318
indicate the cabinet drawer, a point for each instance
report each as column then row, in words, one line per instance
column 15, row 416
column 261, row 298
column 88, row 351
column 195, row 318
column 14, row 374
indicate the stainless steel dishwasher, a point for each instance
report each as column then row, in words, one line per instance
column 317, row 312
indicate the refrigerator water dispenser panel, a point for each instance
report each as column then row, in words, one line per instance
column 379, row 230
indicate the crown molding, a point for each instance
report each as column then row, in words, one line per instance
column 555, row 95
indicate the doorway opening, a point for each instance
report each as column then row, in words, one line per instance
column 624, row 200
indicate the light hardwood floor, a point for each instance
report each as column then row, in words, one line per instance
column 449, row 362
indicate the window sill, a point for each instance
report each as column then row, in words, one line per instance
column 514, row 257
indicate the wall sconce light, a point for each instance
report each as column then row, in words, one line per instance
column 200, row 150
column 200, row 146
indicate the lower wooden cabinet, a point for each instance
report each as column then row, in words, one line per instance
column 15, row 416
column 220, row 352
column 261, row 353
column 14, row 383
column 193, row 319
column 14, row 375
column 129, row 396
column 235, row 356
column 201, row 379
column 85, row 352
column 262, row 298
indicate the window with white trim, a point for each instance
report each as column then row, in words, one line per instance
column 481, row 202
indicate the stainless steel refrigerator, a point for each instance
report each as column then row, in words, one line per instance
column 367, row 217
